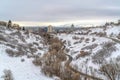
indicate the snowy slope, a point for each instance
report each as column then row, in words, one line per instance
column 113, row 31
column 91, row 47
column 21, row 65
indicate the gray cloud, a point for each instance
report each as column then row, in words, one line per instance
column 58, row 10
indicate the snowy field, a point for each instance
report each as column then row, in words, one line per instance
column 21, row 66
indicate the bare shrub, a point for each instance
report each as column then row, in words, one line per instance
column 106, row 51
column 40, row 48
column 93, row 39
column 76, row 76
column 76, row 42
column 10, row 52
column 37, row 61
column 8, row 75
column 22, row 38
column 101, row 34
column 118, row 58
column 10, row 45
column 82, row 38
column 13, row 53
column 90, row 47
column 18, row 33
column 82, row 54
column 22, row 60
column 33, row 50
column 87, row 40
column 61, row 56
column 118, row 36
column 75, row 38
column 2, row 38
column 111, row 70
column 34, row 43
column 56, row 46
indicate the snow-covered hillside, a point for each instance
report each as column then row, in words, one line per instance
column 17, row 51
column 87, row 52
column 91, row 48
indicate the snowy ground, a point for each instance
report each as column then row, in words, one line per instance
column 89, row 40
column 21, row 70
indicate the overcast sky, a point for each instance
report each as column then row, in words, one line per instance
column 51, row 11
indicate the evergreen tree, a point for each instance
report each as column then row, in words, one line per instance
column 23, row 28
column 9, row 23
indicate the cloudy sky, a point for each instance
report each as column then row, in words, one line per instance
column 45, row 12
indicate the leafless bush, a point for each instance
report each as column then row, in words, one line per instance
column 8, row 75
column 12, row 41
column 2, row 38
column 22, row 60
column 106, row 51
column 118, row 36
column 101, row 34
column 111, row 70
column 75, row 38
column 76, row 42
column 18, row 33
column 82, row 54
column 87, row 40
column 33, row 50
column 37, row 61
column 34, row 43
column 56, row 46
column 30, row 44
column 93, row 39
column 90, row 47
column 118, row 58
column 82, row 38
column 13, row 53
column 10, row 52
column 40, row 48
column 10, row 45
column 69, row 43
column 61, row 56
column 22, row 38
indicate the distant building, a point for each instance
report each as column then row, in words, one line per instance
column 72, row 26
column 50, row 29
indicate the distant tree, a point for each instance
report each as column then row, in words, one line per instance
column 107, row 24
column 23, row 28
column 118, row 21
column 72, row 26
column 9, row 23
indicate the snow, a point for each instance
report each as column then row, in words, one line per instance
column 28, row 71
column 83, row 63
column 113, row 30
column 25, row 70
column 21, row 70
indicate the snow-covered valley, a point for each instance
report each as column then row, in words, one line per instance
column 91, row 48
column 84, row 54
